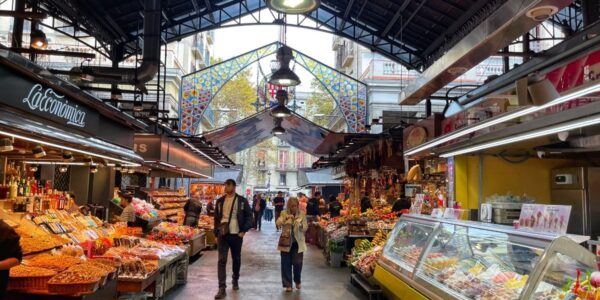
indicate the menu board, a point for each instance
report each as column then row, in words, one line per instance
column 545, row 218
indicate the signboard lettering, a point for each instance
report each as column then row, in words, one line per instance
column 50, row 102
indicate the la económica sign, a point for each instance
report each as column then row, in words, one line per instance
column 43, row 101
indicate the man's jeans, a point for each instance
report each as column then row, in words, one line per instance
column 233, row 242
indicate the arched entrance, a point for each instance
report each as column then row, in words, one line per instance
column 199, row 88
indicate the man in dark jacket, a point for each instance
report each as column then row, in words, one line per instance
column 233, row 218
column 10, row 254
column 312, row 209
column 258, row 208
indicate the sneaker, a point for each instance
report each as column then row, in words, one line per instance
column 298, row 286
column 221, row 294
column 236, row 285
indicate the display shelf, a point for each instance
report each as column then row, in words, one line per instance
column 452, row 259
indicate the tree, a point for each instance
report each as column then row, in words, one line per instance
column 234, row 101
column 320, row 104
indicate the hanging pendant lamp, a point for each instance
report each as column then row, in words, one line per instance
column 281, row 111
column 278, row 129
column 293, row 6
column 284, row 76
column 38, row 39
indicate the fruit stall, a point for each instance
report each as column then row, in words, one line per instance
column 71, row 256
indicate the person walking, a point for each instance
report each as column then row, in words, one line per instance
column 258, row 207
column 192, row 209
column 233, row 218
column 292, row 244
column 279, row 203
column 303, row 202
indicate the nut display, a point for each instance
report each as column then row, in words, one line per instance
column 21, row 271
column 57, row 263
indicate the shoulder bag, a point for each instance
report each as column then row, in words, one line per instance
column 224, row 227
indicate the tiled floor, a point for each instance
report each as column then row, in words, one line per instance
column 261, row 277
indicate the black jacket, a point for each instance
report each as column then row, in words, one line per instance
column 263, row 205
column 9, row 248
column 244, row 214
column 312, row 208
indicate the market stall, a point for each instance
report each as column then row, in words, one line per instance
column 74, row 256
column 428, row 258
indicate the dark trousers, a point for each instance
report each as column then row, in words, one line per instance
column 257, row 219
column 291, row 260
column 233, row 242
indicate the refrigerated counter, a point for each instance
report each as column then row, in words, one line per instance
column 427, row 258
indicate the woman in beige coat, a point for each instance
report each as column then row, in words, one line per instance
column 293, row 222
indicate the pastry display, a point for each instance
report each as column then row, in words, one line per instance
column 28, row 271
column 409, row 254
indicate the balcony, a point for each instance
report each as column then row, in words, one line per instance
column 347, row 56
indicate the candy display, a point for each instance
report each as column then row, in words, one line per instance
column 144, row 209
column 173, row 234
column 463, row 260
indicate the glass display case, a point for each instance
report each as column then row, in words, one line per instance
column 453, row 259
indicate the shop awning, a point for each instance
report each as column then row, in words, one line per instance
column 300, row 133
column 42, row 132
column 167, row 158
column 320, row 177
column 222, row 174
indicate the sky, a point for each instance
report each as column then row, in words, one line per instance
column 233, row 41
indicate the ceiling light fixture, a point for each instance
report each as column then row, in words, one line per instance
column 59, row 146
column 93, row 169
column 38, row 39
column 33, row 168
column 175, row 127
column 38, row 151
column 284, row 76
column 196, row 173
column 63, row 169
column 198, row 151
column 67, row 155
column 278, row 129
column 294, row 6
column 281, row 111
column 580, row 91
column 118, row 167
column 580, row 123
column 137, row 105
column 6, row 144
column 153, row 116
column 88, row 160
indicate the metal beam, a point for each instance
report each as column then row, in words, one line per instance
column 54, row 52
column 23, row 14
column 506, row 24
column 393, row 21
column 347, row 13
column 414, row 13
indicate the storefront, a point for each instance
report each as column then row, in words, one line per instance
column 528, row 169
